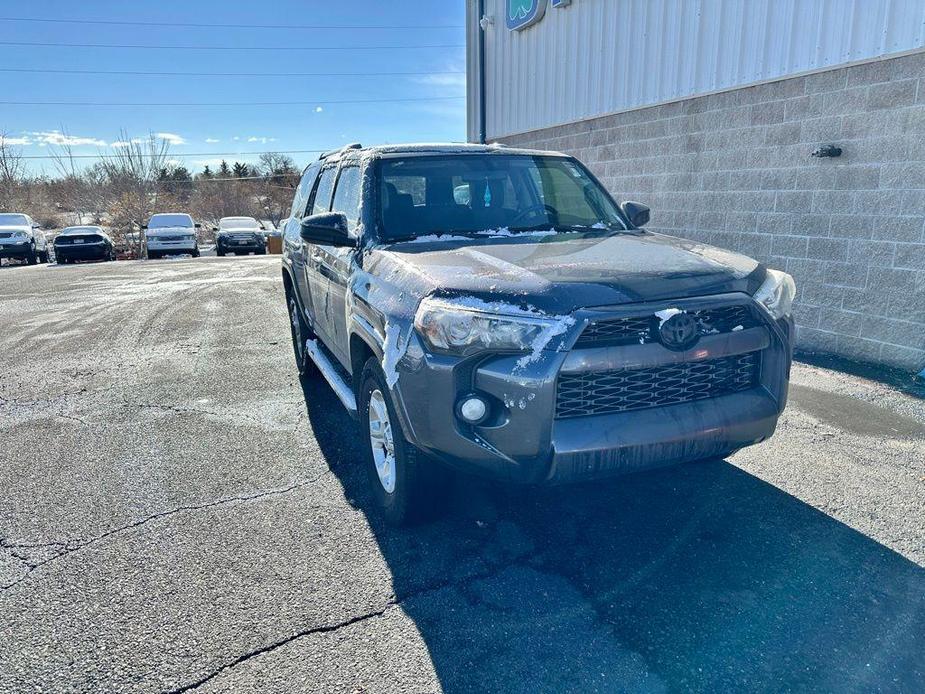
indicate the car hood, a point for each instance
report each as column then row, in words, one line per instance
column 16, row 227
column 563, row 272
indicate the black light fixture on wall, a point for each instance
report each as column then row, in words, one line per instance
column 827, row 151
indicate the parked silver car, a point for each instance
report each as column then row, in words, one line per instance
column 22, row 238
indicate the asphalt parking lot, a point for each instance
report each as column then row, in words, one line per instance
column 179, row 514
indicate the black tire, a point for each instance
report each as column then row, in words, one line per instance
column 220, row 252
column 420, row 483
column 33, row 257
column 300, row 334
column 62, row 261
column 153, row 255
column 196, row 252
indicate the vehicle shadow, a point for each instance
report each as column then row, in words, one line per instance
column 695, row 578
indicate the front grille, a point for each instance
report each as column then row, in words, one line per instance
column 644, row 329
column 607, row 392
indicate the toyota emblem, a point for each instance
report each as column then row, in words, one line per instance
column 680, row 332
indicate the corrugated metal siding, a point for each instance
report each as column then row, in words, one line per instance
column 600, row 56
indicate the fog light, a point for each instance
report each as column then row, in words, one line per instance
column 472, row 409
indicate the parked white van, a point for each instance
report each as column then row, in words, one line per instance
column 172, row 233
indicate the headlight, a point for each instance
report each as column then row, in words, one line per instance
column 467, row 326
column 777, row 294
column 20, row 235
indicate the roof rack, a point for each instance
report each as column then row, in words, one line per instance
column 352, row 145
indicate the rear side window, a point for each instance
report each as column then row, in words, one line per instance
column 347, row 197
column 324, row 191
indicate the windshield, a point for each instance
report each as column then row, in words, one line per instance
column 239, row 224
column 468, row 194
column 10, row 220
column 161, row 221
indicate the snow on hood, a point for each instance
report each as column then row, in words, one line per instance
column 16, row 227
column 503, row 232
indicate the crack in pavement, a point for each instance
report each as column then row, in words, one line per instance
column 182, row 409
column 66, row 548
column 514, row 561
column 324, row 629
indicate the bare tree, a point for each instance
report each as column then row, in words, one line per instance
column 280, row 179
column 12, row 173
column 132, row 172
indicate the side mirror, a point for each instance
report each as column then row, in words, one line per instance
column 214, row 228
column 327, row 229
column 636, row 212
column 198, row 226
column 36, row 226
column 144, row 226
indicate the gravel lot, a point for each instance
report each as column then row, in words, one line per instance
column 177, row 514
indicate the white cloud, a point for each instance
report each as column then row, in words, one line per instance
column 212, row 140
column 56, row 137
column 170, row 138
column 15, row 140
column 212, row 163
column 262, row 139
column 236, row 138
column 318, row 109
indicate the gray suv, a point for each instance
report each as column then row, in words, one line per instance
column 494, row 310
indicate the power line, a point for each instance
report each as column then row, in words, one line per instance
column 237, row 104
column 64, row 71
column 172, row 155
column 44, row 44
column 196, row 25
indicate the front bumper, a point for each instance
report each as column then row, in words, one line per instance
column 172, row 248
column 15, row 250
column 525, row 441
column 87, row 251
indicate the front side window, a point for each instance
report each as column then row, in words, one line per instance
column 304, row 191
column 472, row 193
column 347, row 196
column 325, row 190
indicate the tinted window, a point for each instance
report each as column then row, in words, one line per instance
column 347, row 197
column 325, row 190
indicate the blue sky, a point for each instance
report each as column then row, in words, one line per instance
column 212, row 130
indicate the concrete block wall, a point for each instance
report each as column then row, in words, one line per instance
column 734, row 169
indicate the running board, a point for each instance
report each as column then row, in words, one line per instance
column 343, row 392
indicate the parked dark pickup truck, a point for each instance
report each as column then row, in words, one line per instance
column 494, row 310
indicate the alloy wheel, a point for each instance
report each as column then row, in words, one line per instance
column 381, row 440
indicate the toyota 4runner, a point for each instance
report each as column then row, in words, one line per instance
column 494, row 310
